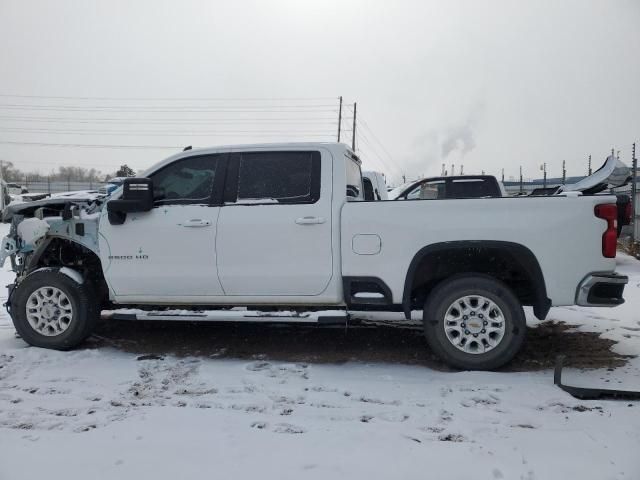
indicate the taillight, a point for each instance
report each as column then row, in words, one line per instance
column 609, row 212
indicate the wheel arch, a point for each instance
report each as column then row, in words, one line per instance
column 478, row 256
column 87, row 265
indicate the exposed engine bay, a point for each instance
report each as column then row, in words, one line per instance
column 54, row 232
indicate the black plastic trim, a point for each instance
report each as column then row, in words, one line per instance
column 586, row 393
column 605, row 293
column 348, row 284
column 526, row 258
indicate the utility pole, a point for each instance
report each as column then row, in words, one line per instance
column 2, row 205
column 589, row 165
column 564, row 172
column 353, row 138
column 339, row 118
column 634, row 193
column 520, row 178
column 544, row 175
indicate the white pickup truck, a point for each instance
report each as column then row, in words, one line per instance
column 283, row 230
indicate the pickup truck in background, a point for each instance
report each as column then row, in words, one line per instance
column 284, row 231
column 455, row 186
column 374, row 186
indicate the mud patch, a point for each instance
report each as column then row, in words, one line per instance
column 400, row 342
column 582, row 349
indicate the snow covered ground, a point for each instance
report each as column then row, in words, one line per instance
column 103, row 413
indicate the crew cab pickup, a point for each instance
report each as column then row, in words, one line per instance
column 283, row 231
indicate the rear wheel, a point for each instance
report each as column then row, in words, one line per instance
column 50, row 309
column 474, row 322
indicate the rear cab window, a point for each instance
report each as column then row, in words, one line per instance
column 286, row 177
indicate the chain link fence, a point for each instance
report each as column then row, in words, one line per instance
column 60, row 186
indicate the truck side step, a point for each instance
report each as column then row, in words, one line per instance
column 322, row 317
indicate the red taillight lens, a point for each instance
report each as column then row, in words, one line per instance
column 609, row 212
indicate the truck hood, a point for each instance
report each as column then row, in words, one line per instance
column 613, row 173
column 27, row 209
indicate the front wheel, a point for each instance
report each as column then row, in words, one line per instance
column 51, row 310
column 474, row 322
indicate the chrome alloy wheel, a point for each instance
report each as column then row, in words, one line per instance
column 474, row 324
column 49, row 311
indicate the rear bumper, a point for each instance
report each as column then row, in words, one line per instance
column 601, row 290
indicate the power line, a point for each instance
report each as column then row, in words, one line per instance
column 375, row 151
column 170, row 133
column 175, row 109
column 188, row 99
column 45, row 144
column 196, row 121
column 257, row 130
column 371, row 148
column 361, row 120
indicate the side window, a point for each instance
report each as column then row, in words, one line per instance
column 428, row 191
column 186, row 181
column 279, row 177
column 433, row 190
column 354, row 179
column 471, row 189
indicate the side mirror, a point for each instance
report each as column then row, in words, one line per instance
column 137, row 196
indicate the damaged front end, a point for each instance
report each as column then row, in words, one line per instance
column 51, row 232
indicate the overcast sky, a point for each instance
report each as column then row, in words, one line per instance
column 490, row 84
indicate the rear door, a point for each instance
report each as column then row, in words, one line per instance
column 274, row 230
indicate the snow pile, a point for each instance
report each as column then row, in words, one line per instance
column 103, row 413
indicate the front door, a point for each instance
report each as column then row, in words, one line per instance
column 169, row 252
column 274, row 231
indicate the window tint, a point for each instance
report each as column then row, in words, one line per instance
column 354, row 178
column 189, row 180
column 471, row 189
column 282, row 177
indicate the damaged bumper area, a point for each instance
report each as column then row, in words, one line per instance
column 35, row 225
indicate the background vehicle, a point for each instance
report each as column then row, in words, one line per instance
column 285, row 227
column 613, row 173
column 464, row 186
column 375, row 186
column 15, row 188
column 112, row 185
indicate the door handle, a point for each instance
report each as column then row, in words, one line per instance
column 197, row 222
column 310, row 220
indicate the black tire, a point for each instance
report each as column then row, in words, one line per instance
column 444, row 296
column 85, row 313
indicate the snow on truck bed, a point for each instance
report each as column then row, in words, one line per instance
column 102, row 412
